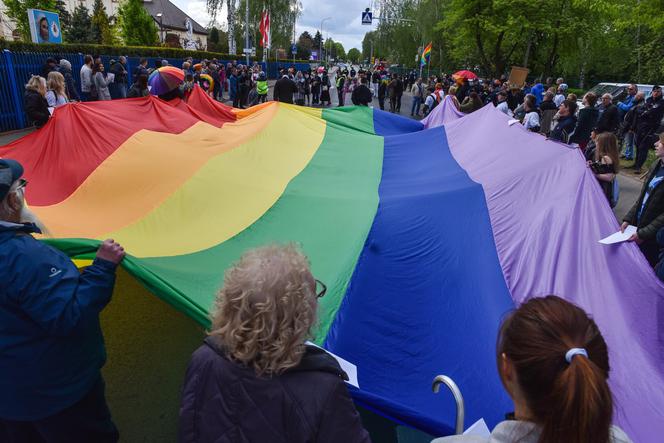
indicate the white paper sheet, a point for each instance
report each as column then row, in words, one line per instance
column 347, row 366
column 619, row 236
column 478, row 428
column 110, row 77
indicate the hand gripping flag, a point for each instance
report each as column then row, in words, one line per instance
column 426, row 54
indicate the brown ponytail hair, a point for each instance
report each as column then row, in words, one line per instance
column 571, row 402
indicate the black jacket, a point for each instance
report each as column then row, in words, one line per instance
column 361, row 96
column 36, row 108
column 284, row 89
column 588, row 117
column 547, row 104
column 225, row 402
column 609, row 121
column 649, row 120
column 120, row 72
column 70, row 84
column 564, row 127
column 652, row 218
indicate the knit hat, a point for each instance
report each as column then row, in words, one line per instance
column 65, row 63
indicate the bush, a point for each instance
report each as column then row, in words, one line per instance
column 138, row 51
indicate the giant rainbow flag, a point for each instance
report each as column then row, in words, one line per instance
column 424, row 237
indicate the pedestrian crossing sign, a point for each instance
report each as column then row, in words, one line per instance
column 366, row 17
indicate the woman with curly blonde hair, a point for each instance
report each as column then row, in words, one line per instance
column 255, row 379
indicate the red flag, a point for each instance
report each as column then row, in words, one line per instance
column 265, row 29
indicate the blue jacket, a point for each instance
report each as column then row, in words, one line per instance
column 51, row 346
column 626, row 105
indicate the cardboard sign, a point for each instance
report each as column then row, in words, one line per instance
column 518, row 76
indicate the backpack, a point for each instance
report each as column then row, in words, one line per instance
column 435, row 101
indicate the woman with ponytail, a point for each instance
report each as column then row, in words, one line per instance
column 554, row 364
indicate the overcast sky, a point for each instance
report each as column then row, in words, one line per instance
column 345, row 25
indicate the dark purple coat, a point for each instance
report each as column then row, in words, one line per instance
column 225, row 402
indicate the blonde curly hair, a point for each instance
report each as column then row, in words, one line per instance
column 266, row 309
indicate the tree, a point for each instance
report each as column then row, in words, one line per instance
column 283, row 14
column 354, row 55
column 305, row 44
column 339, row 51
column 79, row 30
column 17, row 10
column 65, row 16
column 100, row 29
column 137, row 27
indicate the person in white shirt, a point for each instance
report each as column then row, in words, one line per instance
column 86, row 77
column 554, row 364
column 502, row 105
column 531, row 119
column 560, row 95
column 56, row 94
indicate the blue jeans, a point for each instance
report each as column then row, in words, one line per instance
column 629, row 145
column 415, row 109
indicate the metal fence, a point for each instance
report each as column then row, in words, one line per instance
column 17, row 67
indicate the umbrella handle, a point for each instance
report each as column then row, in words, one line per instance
column 458, row 398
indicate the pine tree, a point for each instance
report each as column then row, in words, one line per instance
column 65, row 16
column 79, row 29
column 100, row 29
column 137, row 27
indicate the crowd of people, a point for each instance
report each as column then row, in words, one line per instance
column 255, row 378
column 265, row 311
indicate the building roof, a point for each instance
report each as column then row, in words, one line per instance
column 172, row 16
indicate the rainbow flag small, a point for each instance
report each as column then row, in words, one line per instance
column 426, row 54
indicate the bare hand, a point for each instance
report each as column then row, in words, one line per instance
column 635, row 238
column 624, row 226
column 111, row 251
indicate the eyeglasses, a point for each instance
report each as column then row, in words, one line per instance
column 323, row 288
column 22, row 183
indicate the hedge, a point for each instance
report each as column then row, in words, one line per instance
column 138, row 51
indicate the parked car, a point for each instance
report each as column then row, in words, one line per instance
column 617, row 90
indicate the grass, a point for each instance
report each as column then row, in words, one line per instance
column 649, row 161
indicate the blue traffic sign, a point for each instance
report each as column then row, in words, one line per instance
column 366, row 17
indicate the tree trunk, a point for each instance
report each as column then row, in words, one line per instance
column 231, row 26
column 527, row 55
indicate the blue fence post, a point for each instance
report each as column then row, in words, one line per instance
column 20, row 118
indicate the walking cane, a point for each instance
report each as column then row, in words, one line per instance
column 458, row 398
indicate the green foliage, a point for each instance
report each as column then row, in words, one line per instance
column 18, row 11
column 100, row 29
column 131, row 51
column 217, row 40
column 79, row 30
column 305, row 44
column 137, row 27
column 283, row 14
column 65, row 16
column 340, row 52
column 585, row 41
column 354, row 55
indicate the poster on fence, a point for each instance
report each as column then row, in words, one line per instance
column 44, row 26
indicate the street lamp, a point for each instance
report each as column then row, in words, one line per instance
column 161, row 26
column 320, row 56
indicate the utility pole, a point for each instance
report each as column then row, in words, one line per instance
column 246, row 31
column 320, row 48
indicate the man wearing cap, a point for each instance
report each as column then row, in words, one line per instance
column 51, row 345
column 647, row 124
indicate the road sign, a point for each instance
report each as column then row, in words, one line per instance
column 247, row 50
column 293, row 49
column 367, row 17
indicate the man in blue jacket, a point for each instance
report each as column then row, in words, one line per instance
column 51, row 345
